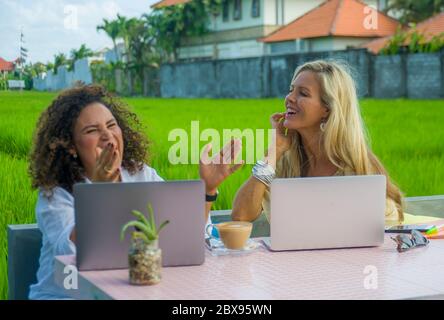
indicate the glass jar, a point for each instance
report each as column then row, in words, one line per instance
column 145, row 262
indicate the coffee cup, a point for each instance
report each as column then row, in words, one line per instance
column 234, row 234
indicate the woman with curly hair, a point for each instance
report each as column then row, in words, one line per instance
column 89, row 135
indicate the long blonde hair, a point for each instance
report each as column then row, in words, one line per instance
column 345, row 139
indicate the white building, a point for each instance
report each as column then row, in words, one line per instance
column 243, row 24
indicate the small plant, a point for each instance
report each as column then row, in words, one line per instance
column 396, row 42
column 145, row 228
column 144, row 256
column 418, row 43
column 413, row 41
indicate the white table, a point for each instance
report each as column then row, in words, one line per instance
column 319, row 274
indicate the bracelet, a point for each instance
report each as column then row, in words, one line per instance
column 264, row 172
column 211, row 198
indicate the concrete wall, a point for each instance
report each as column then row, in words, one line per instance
column 267, row 76
column 407, row 75
column 388, row 76
column 424, row 76
column 413, row 76
column 241, row 79
column 64, row 78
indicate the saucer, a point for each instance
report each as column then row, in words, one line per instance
column 216, row 247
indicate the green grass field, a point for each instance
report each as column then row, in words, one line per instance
column 407, row 136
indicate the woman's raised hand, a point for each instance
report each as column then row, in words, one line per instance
column 215, row 170
column 283, row 140
column 107, row 168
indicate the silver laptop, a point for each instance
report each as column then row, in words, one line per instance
column 327, row 212
column 101, row 209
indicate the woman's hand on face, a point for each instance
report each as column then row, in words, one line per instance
column 215, row 170
column 107, row 168
column 283, row 140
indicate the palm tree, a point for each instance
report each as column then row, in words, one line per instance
column 174, row 23
column 112, row 29
column 59, row 60
column 126, row 27
column 82, row 52
column 142, row 50
column 49, row 66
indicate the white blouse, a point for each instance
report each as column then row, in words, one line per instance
column 55, row 219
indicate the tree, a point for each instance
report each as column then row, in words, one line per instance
column 82, row 52
column 155, row 37
column 38, row 68
column 143, row 50
column 126, row 27
column 174, row 23
column 59, row 60
column 414, row 11
column 49, row 66
column 112, row 29
column 120, row 29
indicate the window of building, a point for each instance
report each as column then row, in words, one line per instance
column 225, row 11
column 237, row 13
column 255, row 8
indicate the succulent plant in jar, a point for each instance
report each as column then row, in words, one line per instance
column 145, row 256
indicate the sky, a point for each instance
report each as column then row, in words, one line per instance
column 53, row 26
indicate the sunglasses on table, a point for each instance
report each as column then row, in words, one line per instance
column 406, row 242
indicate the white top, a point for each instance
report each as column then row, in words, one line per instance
column 55, row 219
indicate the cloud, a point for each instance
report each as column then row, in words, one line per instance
column 52, row 26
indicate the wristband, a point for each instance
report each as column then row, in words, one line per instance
column 211, row 198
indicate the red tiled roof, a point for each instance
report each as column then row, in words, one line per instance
column 6, row 65
column 376, row 45
column 432, row 26
column 429, row 28
column 334, row 18
column 167, row 3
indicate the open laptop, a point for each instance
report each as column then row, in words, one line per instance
column 101, row 209
column 327, row 212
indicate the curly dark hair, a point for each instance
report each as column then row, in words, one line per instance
column 52, row 165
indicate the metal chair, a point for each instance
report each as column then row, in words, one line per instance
column 24, row 243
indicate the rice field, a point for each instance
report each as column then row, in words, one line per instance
column 407, row 135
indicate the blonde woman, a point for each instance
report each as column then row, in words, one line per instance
column 320, row 134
